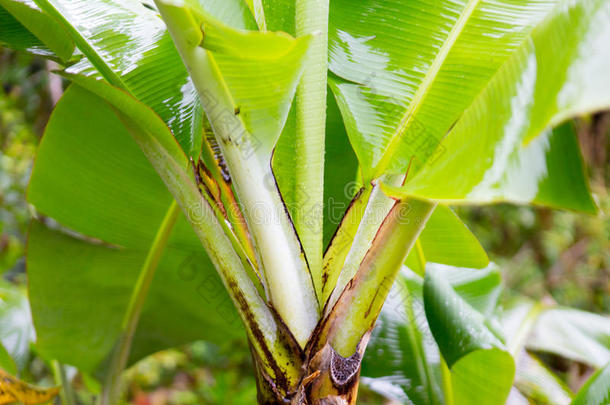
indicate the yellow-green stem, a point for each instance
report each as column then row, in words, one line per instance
column 59, row 376
column 447, row 384
column 112, row 386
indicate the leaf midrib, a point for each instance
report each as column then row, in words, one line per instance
column 424, row 87
column 83, row 44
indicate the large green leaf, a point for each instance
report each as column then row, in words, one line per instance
column 535, row 89
column 596, row 390
column 482, row 370
column 48, row 37
column 117, row 201
column 463, row 100
column 574, row 334
column 128, row 44
column 405, row 72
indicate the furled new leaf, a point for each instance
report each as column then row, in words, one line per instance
column 246, row 81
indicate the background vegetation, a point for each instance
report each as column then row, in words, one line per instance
column 546, row 254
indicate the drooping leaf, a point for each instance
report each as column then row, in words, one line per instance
column 19, row 18
column 405, row 73
column 14, row 390
column 128, row 44
column 117, row 199
column 507, row 127
column 596, row 390
column 482, row 370
column 539, row 172
column 574, row 334
column 447, row 240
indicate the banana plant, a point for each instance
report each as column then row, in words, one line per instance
column 184, row 169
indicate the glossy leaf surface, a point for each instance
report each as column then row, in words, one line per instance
column 518, row 158
column 465, row 110
column 404, row 74
column 128, row 44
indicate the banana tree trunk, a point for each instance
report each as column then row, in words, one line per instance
column 327, row 379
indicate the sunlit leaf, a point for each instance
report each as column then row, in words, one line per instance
column 507, row 128
column 405, row 73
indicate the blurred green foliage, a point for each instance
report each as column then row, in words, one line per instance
column 24, row 108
